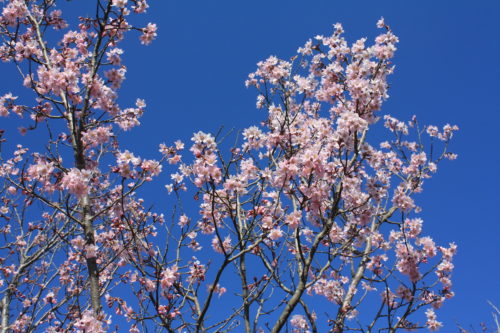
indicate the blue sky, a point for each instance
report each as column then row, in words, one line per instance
column 447, row 70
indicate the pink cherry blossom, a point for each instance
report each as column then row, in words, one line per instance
column 97, row 136
column 149, row 34
column 169, row 276
column 432, row 323
column 88, row 323
column 76, row 181
column 299, row 324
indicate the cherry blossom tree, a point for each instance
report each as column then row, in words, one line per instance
column 311, row 211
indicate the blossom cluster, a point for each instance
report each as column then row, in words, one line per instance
column 308, row 180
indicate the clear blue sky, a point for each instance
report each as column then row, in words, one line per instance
column 447, row 70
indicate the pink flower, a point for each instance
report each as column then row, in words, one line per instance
column 226, row 245
column 331, row 289
column 408, row 260
column 253, row 135
column 120, row 3
column 127, row 157
column 168, row 277
column 299, row 324
column 197, row 272
column 152, row 167
column 90, row 251
column 76, row 181
column 78, row 242
column 429, row 246
column 174, row 159
column 179, row 145
column 50, row 298
column 432, row 131
column 97, row 136
column 14, row 10
column 148, row 34
column 432, row 323
column 6, row 99
column 140, row 6
column 21, row 323
column 129, row 118
column 235, row 184
column 42, row 170
column 395, row 125
column 114, row 56
column 293, row 220
column 116, row 76
column 275, row 233
column 183, row 221
column 148, row 284
column 306, row 49
column 381, row 23
column 414, row 227
column 88, row 323
column 402, row 200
